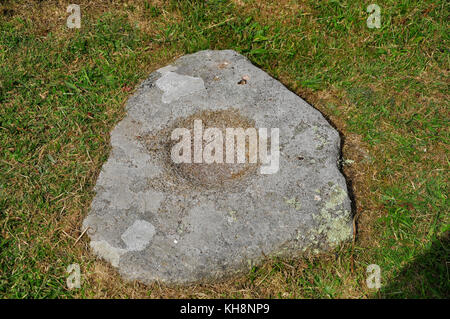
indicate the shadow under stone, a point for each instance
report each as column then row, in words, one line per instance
column 426, row 277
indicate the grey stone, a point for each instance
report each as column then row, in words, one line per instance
column 156, row 221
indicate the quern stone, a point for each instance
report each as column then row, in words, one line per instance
column 155, row 220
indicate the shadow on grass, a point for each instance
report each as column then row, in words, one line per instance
column 426, row 277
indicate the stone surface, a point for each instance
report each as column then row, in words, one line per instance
column 154, row 220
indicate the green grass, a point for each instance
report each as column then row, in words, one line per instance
column 386, row 90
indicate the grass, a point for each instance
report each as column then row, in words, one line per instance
column 386, row 90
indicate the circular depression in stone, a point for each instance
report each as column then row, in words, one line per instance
column 213, row 174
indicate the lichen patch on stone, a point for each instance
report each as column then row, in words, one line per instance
column 107, row 252
column 176, row 85
column 335, row 224
column 138, row 235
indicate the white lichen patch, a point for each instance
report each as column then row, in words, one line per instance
column 109, row 253
column 337, row 197
column 138, row 235
column 231, row 218
column 336, row 226
column 166, row 69
column 339, row 229
column 136, row 238
column 176, row 85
